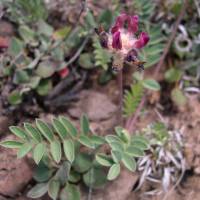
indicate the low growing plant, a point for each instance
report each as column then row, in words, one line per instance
column 65, row 156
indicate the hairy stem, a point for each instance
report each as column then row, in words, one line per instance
column 120, row 86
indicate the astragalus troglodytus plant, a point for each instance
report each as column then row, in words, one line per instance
column 122, row 42
column 66, row 156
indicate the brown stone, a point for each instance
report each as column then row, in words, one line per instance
column 96, row 105
column 14, row 173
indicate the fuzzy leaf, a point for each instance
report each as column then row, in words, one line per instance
column 44, row 28
column 133, row 98
column 55, row 148
column 34, row 132
column 139, row 144
column 123, row 134
column 151, row 84
column 11, row 144
column 117, row 146
column 113, row 138
column 113, row 172
column 104, row 160
column 173, row 75
column 74, row 177
column 129, row 162
column 84, row 140
column 59, row 127
column 15, row 47
column 97, row 140
column 95, row 178
column 53, row 189
column 26, row 33
column 45, row 69
column 20, row 77
column 24, row 149
column 69, row 126
column 61, row 33
column 70, row 192
column 38, row 152
column 85, row 128
column 82, row 162
column 69, row 150
column 15, row 97
column 134, row 151
column 44, row 129
column 116, row 155
column 19, row 132
column 44, row 87
column 38, row 190
column 178, row 97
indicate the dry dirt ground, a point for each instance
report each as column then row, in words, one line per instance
column 16, row 175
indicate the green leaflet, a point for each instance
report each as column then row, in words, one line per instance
column 60, row 128
column 33, row 132
column 104, row 160
column 19, row 132
column 113, row 172
column 129, row 162
column 85, row 125
column 24, row 149
column 55, row 148
column 69, row 150
column 69, row 126
column 38, row 190
column 70, row 192
column 84, row 140
column 132, row 98
column 38, row 152
column 53, row 189
column 45, row 129
column 11, row 144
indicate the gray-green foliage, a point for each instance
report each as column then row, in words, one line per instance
column 57, row 149
column 21, row 11
column 34, row 57
column 37, row 51
column 151, row 53
column 102, row 56
column 133, row 96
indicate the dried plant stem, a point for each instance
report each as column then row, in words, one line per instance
column 120, row 87
column 131, row 122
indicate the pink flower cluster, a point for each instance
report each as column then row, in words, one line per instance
column 122, row 36
column 122, row 40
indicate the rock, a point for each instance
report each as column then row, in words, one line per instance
column 118, row 189
column 14, row 173
column 96, row 105
column 3, row 198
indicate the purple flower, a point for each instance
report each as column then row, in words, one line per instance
column 122, row 40
column 142, row 40
column 116, row 41
column 133, row 24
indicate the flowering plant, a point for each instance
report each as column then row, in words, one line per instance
column 122, row 42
